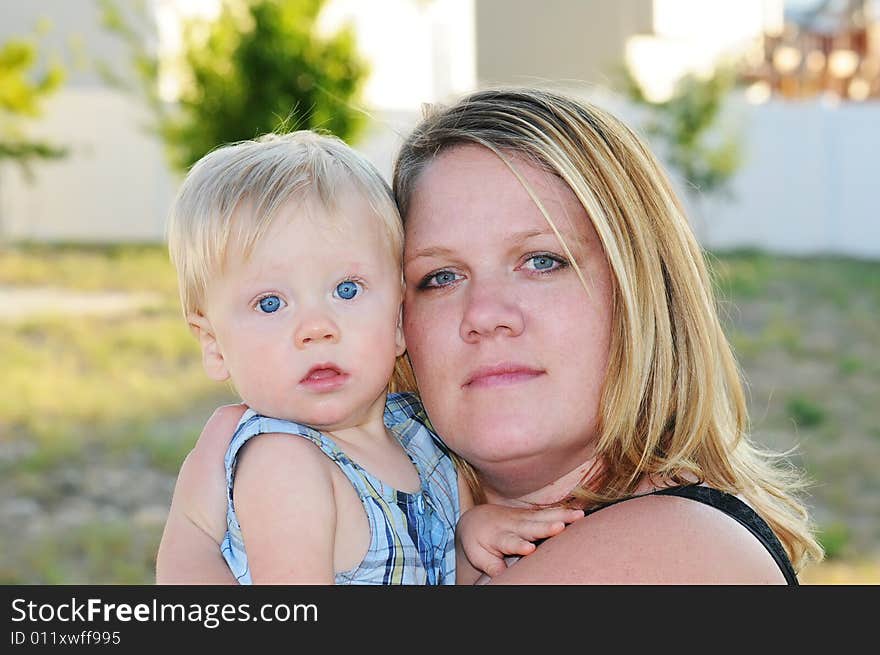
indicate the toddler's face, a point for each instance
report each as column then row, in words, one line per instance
column 308, row 326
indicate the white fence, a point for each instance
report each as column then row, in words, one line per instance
column 809, row 183
column 113, row 186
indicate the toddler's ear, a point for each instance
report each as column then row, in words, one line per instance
column 212, row 358
column 399, row 341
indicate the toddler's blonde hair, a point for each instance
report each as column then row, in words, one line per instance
column 235, row 192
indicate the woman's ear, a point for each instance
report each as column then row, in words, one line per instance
column 399, row 340
column 212, row 357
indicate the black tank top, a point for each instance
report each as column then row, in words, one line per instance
column 733, row 507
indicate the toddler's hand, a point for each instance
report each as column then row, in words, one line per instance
column 486, row 533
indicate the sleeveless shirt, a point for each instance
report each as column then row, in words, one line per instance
column 411, row 534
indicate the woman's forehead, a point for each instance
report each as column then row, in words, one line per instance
column 469, row 190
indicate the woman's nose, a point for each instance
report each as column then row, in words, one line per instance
column 316, row 327
column 491, row 310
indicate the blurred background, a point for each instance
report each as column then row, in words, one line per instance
column 765, row 112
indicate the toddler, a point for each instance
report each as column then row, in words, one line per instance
column 288, row 251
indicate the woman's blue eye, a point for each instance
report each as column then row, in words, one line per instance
column 269, row 304
column 439, row 279
column 347, row 290
column 544, row 263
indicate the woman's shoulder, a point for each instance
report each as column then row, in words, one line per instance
column 215, row 436
column 651, row 539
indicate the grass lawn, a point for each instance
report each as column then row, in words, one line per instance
column 101, row 406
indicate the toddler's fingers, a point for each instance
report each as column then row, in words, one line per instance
column 516, row 544
column 495, row 568
column 490, row 564
column 531, row 530
column 553, row 514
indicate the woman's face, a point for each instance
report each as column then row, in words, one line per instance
column 509, row 349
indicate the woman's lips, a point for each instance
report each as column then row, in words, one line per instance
column 500, row 375
column 324, row 377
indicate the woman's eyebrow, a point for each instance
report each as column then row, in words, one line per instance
column 514, row 239
column 432, row 251
column 517, row 238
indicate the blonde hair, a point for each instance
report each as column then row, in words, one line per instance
column 672, row 405
column 236, row 191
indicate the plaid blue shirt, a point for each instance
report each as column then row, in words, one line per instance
column 412, row 535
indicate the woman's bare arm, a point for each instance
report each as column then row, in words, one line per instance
column 189, row 552
column 652, row 540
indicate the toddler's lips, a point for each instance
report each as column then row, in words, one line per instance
column 324, row 377
column 321, row 374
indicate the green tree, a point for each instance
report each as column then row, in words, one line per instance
column 22, row 91
column 258, row 67
column 687, row 128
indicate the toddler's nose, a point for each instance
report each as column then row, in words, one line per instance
column 316, row 329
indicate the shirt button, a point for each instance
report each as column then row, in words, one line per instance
column 420, row 504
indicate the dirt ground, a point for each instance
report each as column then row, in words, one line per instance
column 805, row 333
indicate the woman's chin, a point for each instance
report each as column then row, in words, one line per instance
column 496, row 442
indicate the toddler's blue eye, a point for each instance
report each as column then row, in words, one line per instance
column 347, row 290
column 270, row 304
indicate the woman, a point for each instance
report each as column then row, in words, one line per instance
column 560, row 324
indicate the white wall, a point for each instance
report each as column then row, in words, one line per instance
column 810, row 182
column 116, row 185
column 113, row 186
column 73, row 34
column 418, row 51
